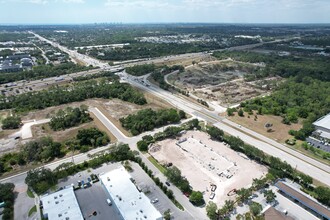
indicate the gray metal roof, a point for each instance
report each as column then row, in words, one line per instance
column 323, row 122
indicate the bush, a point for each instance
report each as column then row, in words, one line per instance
column 196, row 198
column 142, row 145
column 11, row 122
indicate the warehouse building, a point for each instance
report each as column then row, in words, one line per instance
column 321, row 136
column 128, row 200
column 61, row 205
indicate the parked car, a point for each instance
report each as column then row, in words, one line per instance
column 154, row 201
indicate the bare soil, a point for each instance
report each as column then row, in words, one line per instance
column 204, row 162
column 279, row 131
column 222, row 81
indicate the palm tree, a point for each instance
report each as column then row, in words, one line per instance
column 243, row 194
column 270, row 196
column 229, row 204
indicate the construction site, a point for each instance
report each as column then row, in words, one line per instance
column 210, row 166
column 224, row 81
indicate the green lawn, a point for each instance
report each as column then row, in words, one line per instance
column 156, row 164
column 32, row 210
column 29, row 193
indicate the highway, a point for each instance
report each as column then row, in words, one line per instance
column 315, row 169
column 307, row 165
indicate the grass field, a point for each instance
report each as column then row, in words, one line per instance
column 156, row 164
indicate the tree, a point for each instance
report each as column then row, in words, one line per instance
column 40, row 180
column 244, row 194
column 270, row 196
column 11, row 122
column 7, row 195
column 255, row 208
column 182, row 114
column 230, row 111
column 323, row 194
column 227, row 208
column 215, row 133
column 174, row 175
column 167, row 214
column 258, row 183
column 241, row 112
column 142, row 145
column 196, row 198
column 211, row 210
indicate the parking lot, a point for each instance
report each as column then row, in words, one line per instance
column 94, row 198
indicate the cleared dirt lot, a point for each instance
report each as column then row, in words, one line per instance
column 222, row 81
column 279, row 130
column 204, row 162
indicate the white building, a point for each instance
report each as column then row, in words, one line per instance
column 130, row 203
column 321, row 136
column 61, row 205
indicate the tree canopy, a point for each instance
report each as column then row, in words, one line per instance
column 69, row 117
column 148, row 119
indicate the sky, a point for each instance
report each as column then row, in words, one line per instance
column 163, row 11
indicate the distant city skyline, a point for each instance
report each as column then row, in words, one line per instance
column 163, row 11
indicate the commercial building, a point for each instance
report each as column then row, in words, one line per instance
column 321, row 136
column 304, row 200
column 61, row 205
column 126, row 198
column 270, row 213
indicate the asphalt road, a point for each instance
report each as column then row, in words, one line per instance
column 307, row 165
column 107, row 123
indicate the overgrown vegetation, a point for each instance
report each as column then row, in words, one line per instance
column 104, row 74
column 148, row 119
column 45, row 149
column 140, row 70
column 69, row 117
column 75, row 93
column 7, row 196
column 159, row 74
column 294, row 99
column 303, row 95
column 43, row 71
column 11, row 122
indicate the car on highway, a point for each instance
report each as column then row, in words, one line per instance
column 167, row 183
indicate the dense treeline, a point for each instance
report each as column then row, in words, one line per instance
column 77, row 92
column 43, row 71
column 303, row 95
column 148, row 119
column 317, row 68
column 69, row 117
column 11, row 122
column 140, row 70
column 305, row 98
column 140, row 50
column 45, row 149
column 159, row 74
column 277, row 168
column 7, row 196
column 108, row 74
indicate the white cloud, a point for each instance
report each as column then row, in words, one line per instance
column 137, row 3
column 43, row 1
